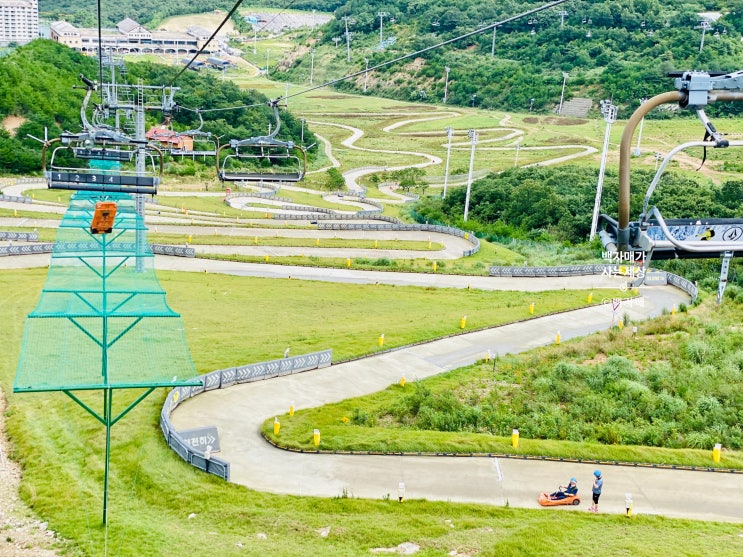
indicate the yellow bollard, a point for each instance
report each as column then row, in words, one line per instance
column 376, row 244
column 380, row 340
column 463, row 322
column 276, row 426
column 266, row 215
column 590, row 297
column 435, row 266
column 716, row 453
column 487, row 356
column 317, row 242
column 401, row 492
column 316, row 438
column 531, row 308
column 266, row 258
column 515, row 438
column 557, row 338
column 466, row 236
column 189, row 238
column 628, row 504
column 15, row 212
column 255, row 240
column 291, row 408
column 348, row 263
column 621, row 324
column 673, row 310
column 402, row 381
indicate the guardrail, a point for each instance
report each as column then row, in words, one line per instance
column 222, row 379
column 336, row 216
column 16, row 198
column 19, row 236
column 32, row 249
column 595, row 269
column 470, row 236
column 259, row 195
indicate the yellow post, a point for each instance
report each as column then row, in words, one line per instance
column 435, row 266
column 266, row 215
column 429, row 242
column 466, row 236
column 590, row 297
column 276, row 426
column 317, row 242
column 487, row 356
column 716, row 453
column 189, row 238
column 673, row 310
column 15, row 212
column 380, row 340
column 621, row 324
column 376, row 244
column 266, row 258
column 463, row 322
column 255, row 240
column 316, row 438
column 402, row 381
column 531, row 308
column 515, row 438
column 348, row 263
column 291, row 408
column 557, row 338
column 628, row 503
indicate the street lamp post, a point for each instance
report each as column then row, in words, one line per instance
column 610, row 116
column 449, row 135
column 381, row 16
column 312, row 66
column 473, row 139
column 366, row 73
column 531, row 105
column 348, row 20
column 447, row 69
column 637, row 150
column 562, row 95
column 473, row 98
column 302, row 120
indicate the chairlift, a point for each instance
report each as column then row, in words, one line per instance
column 109, row 164
column 262, row 158
column 653, row 236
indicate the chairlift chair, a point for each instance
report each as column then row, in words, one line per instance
column 262, row 158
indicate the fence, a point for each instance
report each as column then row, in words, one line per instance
column 596, row 269
column 16, row 198
column 222, row 379
column 19, row 236
column 408, row 228
column 31, row 249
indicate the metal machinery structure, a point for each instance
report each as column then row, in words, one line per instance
column 652, row 236
column 262, row 158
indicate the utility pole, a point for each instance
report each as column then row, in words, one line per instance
column 268, row 56
column 381, row 15
column 562, row 95
column 562, row 14
column 473, row 139
column 449, row 135
column 705, row 26
column 492, row 45
column 637, row 150
column 447, row 69
column 610, row 116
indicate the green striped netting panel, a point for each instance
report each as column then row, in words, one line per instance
column 102, row 320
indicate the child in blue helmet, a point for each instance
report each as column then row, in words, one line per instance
column 598, row 484
column 562, row 492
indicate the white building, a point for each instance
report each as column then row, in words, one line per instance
column 19, row 21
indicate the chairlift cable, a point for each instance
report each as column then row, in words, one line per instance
column 428, row 48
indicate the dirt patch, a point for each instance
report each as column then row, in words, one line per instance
column 12, row 123
column 416, row 64
column 597, row 359
column 209, row 21
column 531, row 120
column 555, row 121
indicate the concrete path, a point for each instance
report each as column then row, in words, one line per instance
column 238, row 413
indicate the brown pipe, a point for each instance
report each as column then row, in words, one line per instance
column 624, row 160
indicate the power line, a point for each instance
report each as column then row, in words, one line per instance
column 428, row 48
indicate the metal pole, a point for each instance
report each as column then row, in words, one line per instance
column 366, row 73
column 268, row 54
column 381, row 15
column 139, row 201
column 562, row 95
column 348, row 40
column 255, row 38
column 312, row 65
column 302, row 138
column 473, row 138
column 637, row 151
column 449, row 135
column 447, row 69
column 516, row 158
column 492, row 46
column 610, row 115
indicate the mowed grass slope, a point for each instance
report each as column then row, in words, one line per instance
column 158, row 505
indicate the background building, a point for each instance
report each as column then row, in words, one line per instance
column 19, row 21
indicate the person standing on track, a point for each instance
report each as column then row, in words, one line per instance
column 598, row 484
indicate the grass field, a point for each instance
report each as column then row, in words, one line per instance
column 161, row 506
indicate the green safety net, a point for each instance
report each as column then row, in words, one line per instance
column 102, row 321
